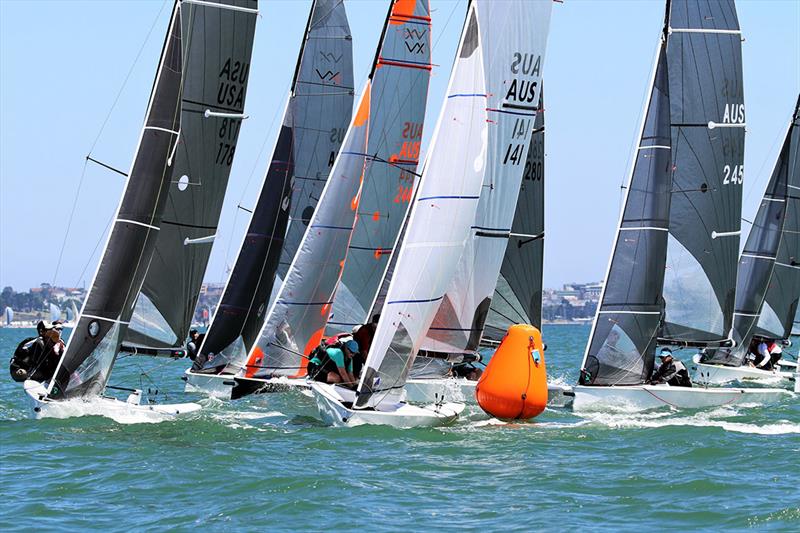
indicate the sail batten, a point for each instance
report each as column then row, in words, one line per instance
column 319, row 106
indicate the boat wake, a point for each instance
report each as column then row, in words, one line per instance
column 713, row 418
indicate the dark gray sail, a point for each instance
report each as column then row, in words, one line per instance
column 218, row 41
column 707, row 113
column 89, row 356
column 518, row 295
column 758, row 262
column 621, row 349
column 783, row 293
column 319, row 107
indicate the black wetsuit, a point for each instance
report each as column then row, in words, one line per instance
column 673, row 373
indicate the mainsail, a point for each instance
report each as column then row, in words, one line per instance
column 217, row 44
column 390, row 100
column 55, row 312
column 319, row 107
column 704, row 57
column 87, row 360
column 518, row 295
column 8, row 314
column 783, row 293
column 758, row 262
column 621, row 348
column 389, row 181
column 481, row 138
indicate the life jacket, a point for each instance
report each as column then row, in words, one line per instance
column 321, row 352
column 681, row 379
column 26, row 358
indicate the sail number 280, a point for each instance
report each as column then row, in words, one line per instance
column 733, row 176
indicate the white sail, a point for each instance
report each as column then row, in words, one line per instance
column 479, row 131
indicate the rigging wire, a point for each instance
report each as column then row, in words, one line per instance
column 94, row 144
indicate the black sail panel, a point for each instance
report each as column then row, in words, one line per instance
column 621, row 349
column 218, row 41
column 783, row 294
column 319, row 108
column 94, row 343
column 518, row 296
column 758, row 261
column 707, row 114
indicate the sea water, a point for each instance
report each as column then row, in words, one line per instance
column 265, row 463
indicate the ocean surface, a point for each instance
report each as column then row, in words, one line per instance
column 266, row 464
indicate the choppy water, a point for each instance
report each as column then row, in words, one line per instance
column 261, row 464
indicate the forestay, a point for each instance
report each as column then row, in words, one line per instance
column 783, row 293
column 390, row 179
column 479, row 130
column 317, row 112
column 94, row 343
column 391, row 99
column 704, row 58
column 217, row 44
column 517, row 297
column 758, row 262
column 621, row 348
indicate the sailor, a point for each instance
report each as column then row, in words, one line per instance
column 671, row 371
column 467, row 370
column 334, row 364
column 767, row 354
column 193, row 344
column 363, row 335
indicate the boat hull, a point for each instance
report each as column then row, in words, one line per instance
column 228, row 387
column 333, row 411
column 646, row 397
column 460, row 390
column 123, row 412
column 707, row 374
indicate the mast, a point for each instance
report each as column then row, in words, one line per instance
column 217, row 45
column 476, row 127
column 92, row 348
column 296, row 321
column 708, row 119
column 319, row 105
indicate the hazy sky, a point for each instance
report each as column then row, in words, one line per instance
column 62, row 65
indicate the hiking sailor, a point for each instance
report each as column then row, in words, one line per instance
column 334, row 364
column 193, row 344
column 767, row 353
column 671, row 371
column 36, row 358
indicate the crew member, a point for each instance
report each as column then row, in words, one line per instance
column 363, row 335
column 671, row 371
column 193, row 345
column 334, row 365
column 767, row 354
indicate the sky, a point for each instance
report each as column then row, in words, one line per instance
column 75, row 79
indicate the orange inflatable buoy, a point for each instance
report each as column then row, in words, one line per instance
column 514, row 384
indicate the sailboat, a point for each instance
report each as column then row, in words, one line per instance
column 54, row 311
column 195, row 105
column 371, row 161
column 8, row 315
column 318, row 110
column 768, row 283
column 671, row 275
column 473, row 174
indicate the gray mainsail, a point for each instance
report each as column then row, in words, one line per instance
column 758, row 261
column 621, row 348
column 389, row 181
column 517, row 297
column 319, row 107
column 704, row 58
column 296, row 321
column 92, row 348
column 783, row 293
column 217, row 44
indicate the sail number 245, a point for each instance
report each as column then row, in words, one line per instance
column 733, row 176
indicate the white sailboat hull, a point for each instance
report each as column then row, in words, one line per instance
column 122, row 412
column 718, row 374
column 333, row 411
column 461, row 390
column 645, row 397
column 222, row 386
